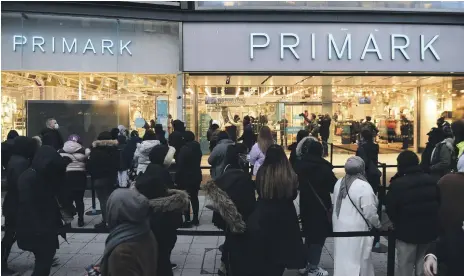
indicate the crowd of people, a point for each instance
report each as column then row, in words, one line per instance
column 145, row 187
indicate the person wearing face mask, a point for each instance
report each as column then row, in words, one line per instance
column 51, row 136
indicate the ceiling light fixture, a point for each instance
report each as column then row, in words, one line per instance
column 294, row 93
column 267, row 92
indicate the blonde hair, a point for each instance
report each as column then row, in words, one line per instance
column 265, row 139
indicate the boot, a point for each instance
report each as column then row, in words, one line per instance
column 80, row 222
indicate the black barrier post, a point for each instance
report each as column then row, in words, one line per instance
column 391, row 254
column 94, row 211
column 331, row 153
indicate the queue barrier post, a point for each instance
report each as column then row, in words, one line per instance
column 331, row 152
column 391, row 254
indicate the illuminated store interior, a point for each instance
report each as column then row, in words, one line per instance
column 347, row 99
column 136, row 95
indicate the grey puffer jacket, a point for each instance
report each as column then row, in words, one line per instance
column 443, row 158
column 217, row 158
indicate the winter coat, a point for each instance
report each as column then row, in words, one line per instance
column 217, row 158
column 426, row 157
column 293, row 157
column 449, row 250
column 213, row 138
column 39, row 218
column 315, row 220
column 77, row 154
column 443, row 158
column 137, row 257
column 176, row 140
column 7, row 152
column 239, row 188
column 141, row 157
column 189, row 175
column 256, row 158
column 369, row 152
column 325, row 127
column 451, row 211
column 52, row 137
column 128, row 152
column 231, row 218
column 274, row 236
column 412, row 205
column 103, row 163
column 154, row 184
column 248, row 136
column 232, row 131
column 22, row 153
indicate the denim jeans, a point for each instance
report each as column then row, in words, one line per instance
column 314, row 253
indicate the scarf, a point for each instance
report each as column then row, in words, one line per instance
column 127, row 212
column 355, row 169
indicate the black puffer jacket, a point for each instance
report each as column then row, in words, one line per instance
column 52, row 137
column 39, row 218
column 412, row 206
column 316, row 224
column 22, row 151
column 369, row 152
column 103, row 161
column 241, row 190
column 188, row 175
column 7, row 148
column 127, row 154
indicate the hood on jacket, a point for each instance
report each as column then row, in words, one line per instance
column 146, row 146
column 178, row 125
column 48, row 162
column 162, row 155
column 299, row 147
column 12, row 134
column 24, row 146
column 225, row 141
column 449, row 142
column 176, row 200
column 105, row 143
column 38, row 141
column 225, row 207
column 71, row 147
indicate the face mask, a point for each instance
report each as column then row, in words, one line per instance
column 57, row 126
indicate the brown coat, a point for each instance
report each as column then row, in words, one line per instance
column 451, row 196
column 137, row 258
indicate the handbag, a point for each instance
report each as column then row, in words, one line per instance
column 328, row 211
column 369, row 226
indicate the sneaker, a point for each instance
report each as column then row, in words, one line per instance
column 56, row 262
column 173, row 266
column 318, row 272
column 186, row 224
column 303, row 271
column 101, row 225
column 195, row 222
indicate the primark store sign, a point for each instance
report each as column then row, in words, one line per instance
column 272, row 47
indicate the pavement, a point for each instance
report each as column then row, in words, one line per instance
column 194, row 255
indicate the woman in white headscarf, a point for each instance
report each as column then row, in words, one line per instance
column 355, row 209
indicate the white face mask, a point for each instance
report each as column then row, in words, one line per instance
column 56, row 126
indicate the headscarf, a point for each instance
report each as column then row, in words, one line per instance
column 128, row 213
column 299, row 147
column 355, row 169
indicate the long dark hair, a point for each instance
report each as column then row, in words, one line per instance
column 265, row 139
column 276, row 178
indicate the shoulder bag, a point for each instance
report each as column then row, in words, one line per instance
column 328, row 211
column 369, row 226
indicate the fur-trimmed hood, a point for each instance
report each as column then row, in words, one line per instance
column 225, row 207
column 105, row 143
column 38, row 139
column 299, row 147
column 176, row 200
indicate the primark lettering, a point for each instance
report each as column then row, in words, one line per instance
column 73, row 45
column 342, row 48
